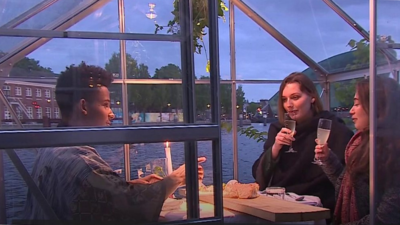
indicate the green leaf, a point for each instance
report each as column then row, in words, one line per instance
column 352, row 43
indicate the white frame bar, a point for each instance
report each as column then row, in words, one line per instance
column 372, row 111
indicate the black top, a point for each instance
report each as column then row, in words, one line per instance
column 295, row 171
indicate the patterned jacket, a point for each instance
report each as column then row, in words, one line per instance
column 80, row 186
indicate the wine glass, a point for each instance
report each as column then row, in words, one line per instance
column 159, row 167
column 324, row 129
column 291, row 125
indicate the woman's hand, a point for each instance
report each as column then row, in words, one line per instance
column 321, row 151
column 152, row 178
column 284, row 137
column 179, row 174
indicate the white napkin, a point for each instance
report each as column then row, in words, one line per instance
column 308, row 199
column 291, row 197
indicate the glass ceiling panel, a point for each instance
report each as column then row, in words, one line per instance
column 103, row 19
column 388, row 21
column 53, row 13
column 311, row 25
column 142, row 16
column 258, row 55
column 12, row 9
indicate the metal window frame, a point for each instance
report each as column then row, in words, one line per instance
column 373, row 200
column 189, row 132
column 37, row 138
column 215, row 103
column 334, row 77
column 189, row 106
column 92, row 35
column 232, row 50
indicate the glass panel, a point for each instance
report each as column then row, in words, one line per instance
column 39, row 71
column 143, row 16
column 56, row 11
column 145, row 159
column 251, row 120
column 104, row 19
column 258, row 55
column 324, row 34
column 12, row 9
column 7, row 44
column 387, row 21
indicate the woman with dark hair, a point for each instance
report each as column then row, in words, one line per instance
column 295, row 171
column 77, row 183
column 352, row 180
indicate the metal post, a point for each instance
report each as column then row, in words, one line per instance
column 125, row 112
column 189, row 110
column 233, row 94
column 215, row 105
column 3, row 211
column 372, row 110
column 326, row 95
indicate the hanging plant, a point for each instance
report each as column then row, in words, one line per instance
column 200, row 23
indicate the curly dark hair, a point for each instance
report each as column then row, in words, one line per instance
column 79, row 82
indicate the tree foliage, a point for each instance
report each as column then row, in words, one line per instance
column 164, row 97
column 344, row 90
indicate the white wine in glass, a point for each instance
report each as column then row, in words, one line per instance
column 291, row 125
column 323, row 131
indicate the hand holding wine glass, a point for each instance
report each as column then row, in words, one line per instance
column 321, row 151
column 281, row 139
column 324, row 129
column 291, row 125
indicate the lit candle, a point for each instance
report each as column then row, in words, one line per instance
column 169, row 159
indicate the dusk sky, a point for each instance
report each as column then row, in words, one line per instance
column 310, row 24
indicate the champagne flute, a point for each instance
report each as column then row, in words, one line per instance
column 291, row 125
column 324, row 129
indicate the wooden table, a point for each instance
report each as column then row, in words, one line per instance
column 272, row 209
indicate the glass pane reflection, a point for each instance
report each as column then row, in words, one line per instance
column 12, row 9
column 143, row 157
column 323, row 33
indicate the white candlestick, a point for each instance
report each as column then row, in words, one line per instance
column 169, row 159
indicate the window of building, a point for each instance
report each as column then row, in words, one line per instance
column 28, row 92
column 7, row 90
column 19, row 113
column 7, row 114
column 18, row 91
column 38, row 93
column 48, row 112
column 30, row 112
column 39, row 113
column 48, row 93
column 56, row 113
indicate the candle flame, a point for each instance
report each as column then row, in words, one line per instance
column 167, row 144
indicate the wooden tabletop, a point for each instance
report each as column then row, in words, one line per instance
column 273, row 209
